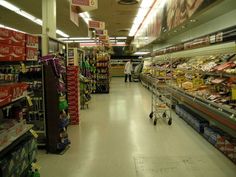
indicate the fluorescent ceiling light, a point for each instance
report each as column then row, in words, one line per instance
column 88, row 38
column 146, row 3
column 68, row 41
column 27, row 15
column 79, row 38
column 39, row 22
column 61, row 33
column 7, row 27
column 142, row 13
column 121, row 38
column 8, row 5
column 85, row 16
column 120, row 43
column 141, row 53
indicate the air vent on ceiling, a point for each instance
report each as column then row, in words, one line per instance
column 127, row 2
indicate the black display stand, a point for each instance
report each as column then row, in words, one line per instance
column 51, row 108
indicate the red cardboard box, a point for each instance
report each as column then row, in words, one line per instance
column 5, row 52
column 18, row 53
column 5, row 36
column 31, row 54
column 12, row 91
column 18, row 39
column 5, row 95
column 32, row 41
column 18, row 90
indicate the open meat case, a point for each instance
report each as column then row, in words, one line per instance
column 203, row 90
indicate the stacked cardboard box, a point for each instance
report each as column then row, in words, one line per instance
column 12, row 45
column 73, row 93
column 17, row 46
column 11, row 92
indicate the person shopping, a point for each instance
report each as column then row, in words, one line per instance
column 128, row 70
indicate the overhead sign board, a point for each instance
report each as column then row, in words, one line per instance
column 98, row 25
column 85, row 5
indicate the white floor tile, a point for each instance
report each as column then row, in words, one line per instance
column 117, row 139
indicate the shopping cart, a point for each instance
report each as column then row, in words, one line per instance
column 161, row 103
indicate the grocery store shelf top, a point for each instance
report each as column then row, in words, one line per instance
column 26, row 129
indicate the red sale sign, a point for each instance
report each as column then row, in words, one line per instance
column 96, row 24
column 81, row 2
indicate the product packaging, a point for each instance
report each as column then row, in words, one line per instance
column 18, row 39
column 31, row 41
column 18, row 53
column 31, row 54
column 5, row 52
column 5, row 36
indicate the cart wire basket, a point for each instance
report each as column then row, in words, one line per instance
column 161, row 103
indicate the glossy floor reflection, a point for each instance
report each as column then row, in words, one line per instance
column 116, row 139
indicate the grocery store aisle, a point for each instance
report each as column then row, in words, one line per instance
column 116, row 139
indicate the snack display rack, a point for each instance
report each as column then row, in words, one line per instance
column 203, row 90
column 85, row 91
column 55, row 94
column 102, row 72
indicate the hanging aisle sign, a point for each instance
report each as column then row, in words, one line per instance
column 74, row 17
column 85, row 5
column 83, row 2
column 98, row 25
column 101, row 32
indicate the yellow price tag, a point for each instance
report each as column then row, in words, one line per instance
column 29, row 100
column 234, row 93
column 23, row 67
column 34, row 133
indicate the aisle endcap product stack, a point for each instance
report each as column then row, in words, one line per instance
column 103, row 72
column 73, row 85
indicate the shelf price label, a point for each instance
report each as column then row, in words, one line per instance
column 29, row 100
column 23, row 67
column 34, row 133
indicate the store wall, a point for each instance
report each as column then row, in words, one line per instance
column 219, row 23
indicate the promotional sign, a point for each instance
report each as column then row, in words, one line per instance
column 101, row 32
column 169, row 15
column 85, row 5
column 98, row 25
column 74, row 17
